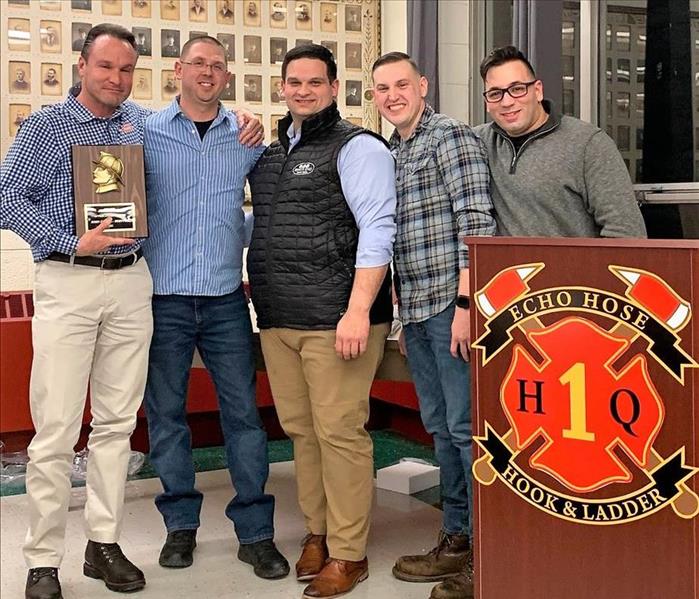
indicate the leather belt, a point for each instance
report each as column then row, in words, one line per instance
column 102, row 262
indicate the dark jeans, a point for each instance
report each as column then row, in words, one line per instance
column 219, row 327
column 443, row 385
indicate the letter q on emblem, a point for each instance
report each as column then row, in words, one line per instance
column 304, row 168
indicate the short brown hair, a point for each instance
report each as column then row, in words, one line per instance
column 206, row 39
column 392, row 57
column 502, row 55
column 117, row 31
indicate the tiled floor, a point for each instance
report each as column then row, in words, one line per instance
column 400, row 524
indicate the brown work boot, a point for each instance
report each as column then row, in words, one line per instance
column 313, row 557
column 456, row 587
column 338, row 577
column 447, row 559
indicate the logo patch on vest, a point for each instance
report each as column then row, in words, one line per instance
column 304, row 168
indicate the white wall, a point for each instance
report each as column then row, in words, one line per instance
column 454, row 63
column 16, row 270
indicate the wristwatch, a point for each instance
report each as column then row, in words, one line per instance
column 463, row 301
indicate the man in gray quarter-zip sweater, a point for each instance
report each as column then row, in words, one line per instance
column 551, row 175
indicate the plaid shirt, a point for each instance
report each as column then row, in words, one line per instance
column 36, row 183
column 443, row 187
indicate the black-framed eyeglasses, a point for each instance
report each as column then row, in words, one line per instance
column 516, row 90
column 201, row 65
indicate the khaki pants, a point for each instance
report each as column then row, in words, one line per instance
column 89, row 325
column 323, row 405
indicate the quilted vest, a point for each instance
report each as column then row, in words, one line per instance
column 304, row 242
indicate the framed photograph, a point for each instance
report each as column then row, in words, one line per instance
column 252, row 49
column 330, row 45
column 51, row 77
column 228, row 42
column 277, row 14
column 75, row 75
column 81, row 4
column 251, row 13
column 353, row 17
column 303, row 42
column 111, row 7
column 170, row 43
column 277, row 50
column 197, row 11
column 353, row 55
column 140, row 9
column 142, row 84
column 225, row 12
column 170, row 10
column 276, row 93
column 50, row 4
column 50, row 36
column 196, row 34
column 274, row 125
column 19, row 2
column 252, row 85
column 20, row 77
column 229, row 90
column 355, row 121
column 78, row 33
column 353, row 97
column 144, row 42
column 169, row 85
column 303, row 16
column 328, row 17
column 18, row 36
column 18, row 112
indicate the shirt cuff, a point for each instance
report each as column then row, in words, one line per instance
column 373, row 257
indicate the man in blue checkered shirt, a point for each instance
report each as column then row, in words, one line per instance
column 92, row 319
column 442, row 183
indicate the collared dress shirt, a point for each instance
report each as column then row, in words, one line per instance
column 443, row 187
column 195, row 190
column 367, row 177
column 36, row 183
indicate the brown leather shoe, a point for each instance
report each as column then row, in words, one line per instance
column 338, row 577
column 447, row 559
column 313, row 557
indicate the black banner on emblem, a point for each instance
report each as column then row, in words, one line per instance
column 658, row 494
column 663, row 341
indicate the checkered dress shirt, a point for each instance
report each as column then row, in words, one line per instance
column 36, row 182
column 443, row 187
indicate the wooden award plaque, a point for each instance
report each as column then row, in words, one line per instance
column 110, row 181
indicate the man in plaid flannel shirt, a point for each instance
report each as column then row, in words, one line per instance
column 442, row 184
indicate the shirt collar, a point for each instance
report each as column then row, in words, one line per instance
column 175, row 109
column 81, row 113
column 425, row 117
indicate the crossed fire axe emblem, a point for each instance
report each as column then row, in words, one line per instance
column 645, row 289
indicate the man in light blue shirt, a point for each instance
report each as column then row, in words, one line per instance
column 324, row 202
column 195, row 174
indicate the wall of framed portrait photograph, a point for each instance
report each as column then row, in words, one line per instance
column 41, row 42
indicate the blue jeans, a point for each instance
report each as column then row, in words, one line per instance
column 219, row 327
column 443, row 385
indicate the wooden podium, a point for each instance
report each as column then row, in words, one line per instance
column 586, row 418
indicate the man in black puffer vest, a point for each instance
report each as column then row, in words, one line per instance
column 324, row 206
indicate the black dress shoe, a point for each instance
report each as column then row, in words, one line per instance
column 178, row 549
column 42, row 583
column 266, row 560
column 105, row 561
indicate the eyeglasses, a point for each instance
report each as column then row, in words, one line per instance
column 516, row 90
column 201, row 65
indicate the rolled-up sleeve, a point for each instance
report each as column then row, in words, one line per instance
column 463, row 166
column 367, row 176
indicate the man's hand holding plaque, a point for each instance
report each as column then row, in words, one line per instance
column 109, row 183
